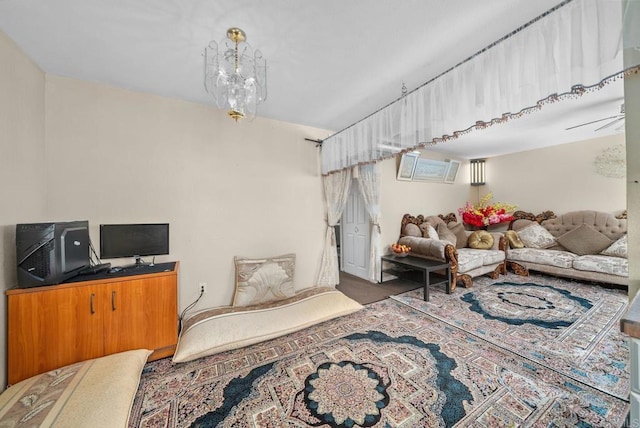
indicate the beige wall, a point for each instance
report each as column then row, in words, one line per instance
column 414, row 197
column 248, row 189
column 561, row 179
column 22, row 166
column 77, row 150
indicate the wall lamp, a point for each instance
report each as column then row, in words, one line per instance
column 477, row 172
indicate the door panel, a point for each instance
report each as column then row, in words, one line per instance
column 355, row 234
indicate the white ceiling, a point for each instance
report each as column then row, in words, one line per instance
column 330, row 62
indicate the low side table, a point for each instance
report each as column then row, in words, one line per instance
column 426, row 266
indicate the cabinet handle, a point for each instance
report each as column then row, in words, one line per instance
column 113, row 300
column 93, row 311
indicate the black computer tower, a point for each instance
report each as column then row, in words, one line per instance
column 50, row 253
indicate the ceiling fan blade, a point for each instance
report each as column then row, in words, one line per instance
column 593, row 121
column 613, row 122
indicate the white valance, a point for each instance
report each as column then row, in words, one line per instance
column 575, row 48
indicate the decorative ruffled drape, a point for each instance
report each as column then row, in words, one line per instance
column 369, row 184
column 336, row 192
column 572, row 49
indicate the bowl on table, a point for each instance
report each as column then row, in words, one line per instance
column 400, row 250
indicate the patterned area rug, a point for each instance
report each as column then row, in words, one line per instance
column 388, row 365
column 568, row 326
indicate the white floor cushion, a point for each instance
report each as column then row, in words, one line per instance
column 221, row 329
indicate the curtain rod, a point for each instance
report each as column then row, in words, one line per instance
column 318, row 142
column 517, row 30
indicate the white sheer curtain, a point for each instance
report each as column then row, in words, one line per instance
column 336, row 192
column 573, row 49
column 369, row 183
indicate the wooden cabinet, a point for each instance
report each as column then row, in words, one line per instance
column 50, row 327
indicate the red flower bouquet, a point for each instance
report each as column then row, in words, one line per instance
column 484, row 213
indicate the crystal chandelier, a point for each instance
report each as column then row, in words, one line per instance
column 234, row 75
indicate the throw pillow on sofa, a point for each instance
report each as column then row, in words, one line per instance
column 514, row 240
column 411, row 229
column 481, row 240
column 536, row 236
column 461, row 235
column 618, row 248
column 583, row 240
column 429, row 231
column 445, row 234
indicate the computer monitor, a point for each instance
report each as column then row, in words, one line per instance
column 134, row 240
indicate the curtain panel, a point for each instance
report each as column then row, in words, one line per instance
column 571, row 50
column 336, row 191
column 369, row 184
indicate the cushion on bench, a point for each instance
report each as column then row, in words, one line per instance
column 94, row 393
column 208, row 332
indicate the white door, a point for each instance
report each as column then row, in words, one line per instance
column 356, row 235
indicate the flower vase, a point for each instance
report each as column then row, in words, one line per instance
column 474, row 227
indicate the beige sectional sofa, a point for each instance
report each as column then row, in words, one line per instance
column 586, row 245
column 452, row 245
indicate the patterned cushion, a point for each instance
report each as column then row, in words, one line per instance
column 536, row 236
column 514, row 240
column 561, row 259
column 584, row 239
column 489, row 257
column 264, row 280
column 92, row 393
column 469, row 260
column 602, row 264
column 618, row 248
column 480, row 240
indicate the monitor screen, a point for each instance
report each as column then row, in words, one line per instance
column 133, row 240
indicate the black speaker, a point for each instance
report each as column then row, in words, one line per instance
column 50, row 253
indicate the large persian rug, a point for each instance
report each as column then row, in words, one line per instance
column 568, row 326
column 389, row 365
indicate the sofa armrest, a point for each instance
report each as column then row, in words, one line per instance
column 427, row 247
column 503, row 243
column 499, row 241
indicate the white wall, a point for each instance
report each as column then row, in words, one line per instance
column 248, row 189
column 22, row 167
column 560, row 178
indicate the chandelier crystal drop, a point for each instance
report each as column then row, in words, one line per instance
column 235, row 75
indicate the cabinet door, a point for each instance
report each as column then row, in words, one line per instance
column 141, row 314
column 52, row 328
